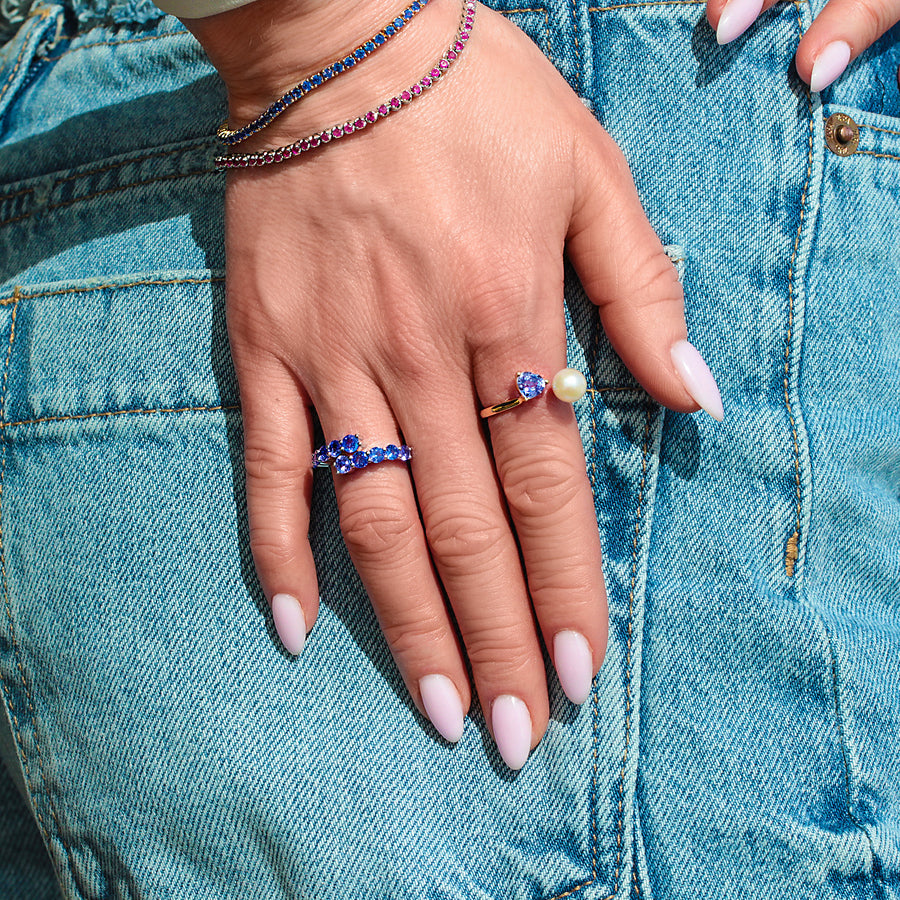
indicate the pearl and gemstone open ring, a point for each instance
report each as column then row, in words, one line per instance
column 568, row 384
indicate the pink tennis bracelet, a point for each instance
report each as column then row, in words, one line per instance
column 280, row 154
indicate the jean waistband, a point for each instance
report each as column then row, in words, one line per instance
column 85, row 13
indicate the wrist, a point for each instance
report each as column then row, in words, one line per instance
column 262, row 49
column 268, row 56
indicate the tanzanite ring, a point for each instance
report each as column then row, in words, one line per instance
column 347, row 455
column 568, row 384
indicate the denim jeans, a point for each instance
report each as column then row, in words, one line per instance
column 743, row 737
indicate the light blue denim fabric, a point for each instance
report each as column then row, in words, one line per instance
column 743, row 736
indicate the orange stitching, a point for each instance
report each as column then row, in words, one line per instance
column 16, row 194
column 7, row 601
column 876, row 128
column 213, row 279
column 152, row 37
column 18, row 64
column 791, row 554
column 120, row 412
column 647, row 3
column 634, row 564
column 872, row 153
column 575, row 31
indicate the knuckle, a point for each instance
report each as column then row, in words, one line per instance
column 265, row 460
column 376, row 532
column 538, row 490
column 423, row 638
column 465, row 543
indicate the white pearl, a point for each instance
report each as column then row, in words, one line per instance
column 569, row 385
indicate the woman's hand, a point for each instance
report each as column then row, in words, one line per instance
column 841, row 31
column 394, row 282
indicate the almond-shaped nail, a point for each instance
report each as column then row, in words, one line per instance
column 736, row 18
column 697, row 379
column 511, row 724
column 574, row 665
column 829, row 65
column 290, row 623
column 443, row 706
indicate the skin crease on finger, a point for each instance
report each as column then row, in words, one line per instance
column 414, row 250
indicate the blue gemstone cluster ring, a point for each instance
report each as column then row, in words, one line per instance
column 346, row 455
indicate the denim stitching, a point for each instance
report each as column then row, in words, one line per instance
column 122, row 412
column 16, row 194
column 647, row 3
column 876, row 128
column 628, row 670
column 792, row 549
column 109, row 168
column 43, row 14
column 161, row 154
column 17, row 293
column 7, row 603
column 152, row 37
column 872, row 153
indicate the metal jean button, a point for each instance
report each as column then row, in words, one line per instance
column 841, row 134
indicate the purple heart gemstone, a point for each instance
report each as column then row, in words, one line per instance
column 530, row 385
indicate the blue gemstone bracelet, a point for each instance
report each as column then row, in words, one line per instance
column 231, row 137
column 346, row 455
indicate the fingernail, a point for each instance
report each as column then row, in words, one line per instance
column 697, row 379
column 829, row 64
column 736, row 18
column 442, row 705
column 290, row 622
column 512, row 730
column 574, row 665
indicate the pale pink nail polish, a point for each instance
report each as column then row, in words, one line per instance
column 829, row 65
column 443, row 706
column 697, row 379
column 736, row 18
column 574, row 665
column 511, row 723
column 290, row 623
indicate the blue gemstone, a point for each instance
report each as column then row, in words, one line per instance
column 379, row 39
column 306, row 86
column 343, row 465
column 320, row 457
column 416, row 6
column 392, row 451
column 408, row 14
column 360, row 460
column 350, row 443
column 389, row 30
column 398, row 23
column 360, row 53
column 338, row 67
column 530, row 385
column 405, row 453
column 316, row 80
column 349, row 62
column 334, row 449
column 369, row 46
column 296, row 94
column 327, row 73
column 376, row 455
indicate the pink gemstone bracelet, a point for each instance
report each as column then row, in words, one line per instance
column 280, row 154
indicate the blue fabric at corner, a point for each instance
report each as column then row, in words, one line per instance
column 743, row 737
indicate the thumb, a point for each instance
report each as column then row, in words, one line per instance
column 628, row 275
